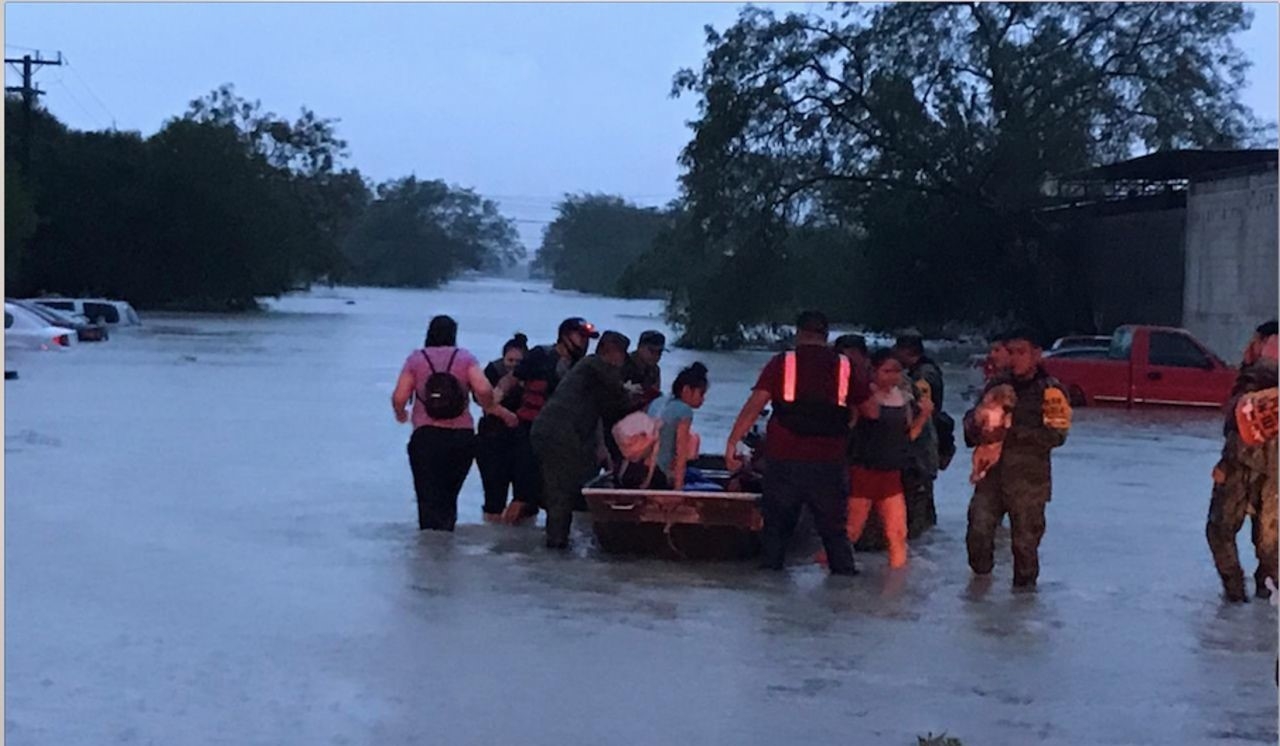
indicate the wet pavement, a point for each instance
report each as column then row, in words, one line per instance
column 209, row 538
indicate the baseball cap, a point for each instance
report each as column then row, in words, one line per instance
column 652, row 338
column 613, row 339
column 578, row 324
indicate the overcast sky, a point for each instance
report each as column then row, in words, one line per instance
column 522, row 102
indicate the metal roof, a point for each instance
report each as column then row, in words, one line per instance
column 1173, row 165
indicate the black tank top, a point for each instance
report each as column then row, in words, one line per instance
column 883, row 443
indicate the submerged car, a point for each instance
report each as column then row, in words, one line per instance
column 24, row 330
column 86, row 331
column 1146, row 366
column 101, row 310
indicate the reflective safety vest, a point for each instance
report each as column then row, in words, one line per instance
column 826, row 414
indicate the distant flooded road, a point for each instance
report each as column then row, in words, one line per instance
column 210, row 539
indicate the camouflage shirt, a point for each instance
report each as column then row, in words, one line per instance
column 591, row 392
column 1041, row 420
column 927, row 379
column 1251, row 378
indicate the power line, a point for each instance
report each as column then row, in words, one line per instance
column 85, row 85
column 96, row 118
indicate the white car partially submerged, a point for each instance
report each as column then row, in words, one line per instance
column 24, row 330
column 98, row 310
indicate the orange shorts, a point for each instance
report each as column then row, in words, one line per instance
column 874, row 484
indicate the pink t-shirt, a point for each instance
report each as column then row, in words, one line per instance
column 416, row 364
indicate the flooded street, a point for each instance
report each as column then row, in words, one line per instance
column 211, row 539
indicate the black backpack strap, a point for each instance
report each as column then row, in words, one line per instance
column 448, row 368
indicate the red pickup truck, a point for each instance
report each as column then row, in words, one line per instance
column 1146, row 366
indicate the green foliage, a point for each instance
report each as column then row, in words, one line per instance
column 939, row 740
column 94, row 198
column 19, row 222
column 421, row 233
column 592, row 241
column 225, row 204
column 929, row 130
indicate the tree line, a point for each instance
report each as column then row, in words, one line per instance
column 224, row 204
column 888, row 163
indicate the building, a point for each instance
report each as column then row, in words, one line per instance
column 1231, row 251
column 1180, row 238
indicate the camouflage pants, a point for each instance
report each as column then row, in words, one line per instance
column 1240, row 490
column 1026, row 509
column 566, row 464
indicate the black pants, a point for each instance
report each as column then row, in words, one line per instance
column 824, row 488
column 440, row 459
column 507, row 462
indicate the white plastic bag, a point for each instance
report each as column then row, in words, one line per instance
column 636, row 436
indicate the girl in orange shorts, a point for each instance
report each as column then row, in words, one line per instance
column 879, row 452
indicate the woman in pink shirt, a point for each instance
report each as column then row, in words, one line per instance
column 440, row 379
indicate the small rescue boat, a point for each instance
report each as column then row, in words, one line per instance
column 675, row 524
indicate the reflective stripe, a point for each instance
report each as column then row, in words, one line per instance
column 842, row 386
column 789, row 377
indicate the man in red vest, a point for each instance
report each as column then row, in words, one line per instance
column 813, row 390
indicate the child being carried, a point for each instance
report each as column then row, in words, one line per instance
column 994, row 417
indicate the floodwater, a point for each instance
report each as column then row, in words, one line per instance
column 210, row 539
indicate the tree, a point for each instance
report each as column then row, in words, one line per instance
column 305, row 155
column 212, row 211
column 422, row 233
column 19, row 225
column 931, row 128
column 93, row 195
column 593, row 239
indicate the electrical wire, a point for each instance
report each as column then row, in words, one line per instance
column 86, row 86
column 76, row 101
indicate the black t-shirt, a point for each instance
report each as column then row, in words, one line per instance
column 495, row 372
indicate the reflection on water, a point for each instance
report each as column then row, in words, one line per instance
column 213, row 514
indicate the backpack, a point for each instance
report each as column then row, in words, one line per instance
column 442, row 395
column 945, row 426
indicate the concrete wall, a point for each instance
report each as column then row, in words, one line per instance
column 1231, row 250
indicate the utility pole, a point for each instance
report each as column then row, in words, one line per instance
column 29, row 93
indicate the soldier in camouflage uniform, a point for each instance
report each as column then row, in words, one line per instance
column 919, row 477
column 567, row 436
column 1244, row 483
column 1020, row 483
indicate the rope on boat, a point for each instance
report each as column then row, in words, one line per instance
column 666, row 531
